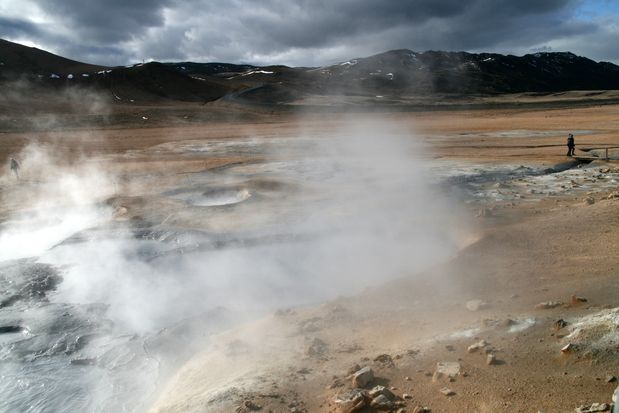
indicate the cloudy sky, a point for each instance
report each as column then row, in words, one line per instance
column 306, row 32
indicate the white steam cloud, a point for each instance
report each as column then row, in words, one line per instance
column 323, row 216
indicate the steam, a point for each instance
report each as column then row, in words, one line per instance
column 362, row 212
column 52, row 201
column 323, row 216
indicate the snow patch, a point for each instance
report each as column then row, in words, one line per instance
column 350, row 63
column 251, row 72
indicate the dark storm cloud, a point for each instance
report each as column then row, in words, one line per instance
column 303, row 32
column 18, row 27
column 107, row 20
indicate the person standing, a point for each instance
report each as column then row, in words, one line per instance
column 15, row 167
column 570, row 145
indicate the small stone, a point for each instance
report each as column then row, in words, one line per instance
column 491, row 359
column 363, row 377
column 576, row 301
column 589, row 200
column 476, row 305
column 560, row 323
column 611, row 379
column 473, row 348
column 407, row 378
column 419, row 409
column 407, row 396
column 447, row 391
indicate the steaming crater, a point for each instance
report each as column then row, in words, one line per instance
column 220, row 196
column 217, row 196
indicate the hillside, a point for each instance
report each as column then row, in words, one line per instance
column 396, row 74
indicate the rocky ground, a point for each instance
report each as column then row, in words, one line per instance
column 522, row 319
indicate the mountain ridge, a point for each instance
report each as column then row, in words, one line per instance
column 394, row 73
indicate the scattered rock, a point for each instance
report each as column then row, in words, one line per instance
column 547, row 305
column 316, row 348
column 407, row 378
column 351, row 401
column 589, row 200
column 363, row 377
column 476, row 305
column 567, row 348
column 381, row 402
column 473, row 348
column 449, row 347
column 381, row 390
column 613, row 195
column 385, row 359
column 611, row 379
column 248, row 406
column 407, row 396
column 575, row 301
column 595, row 407
column 446, row 369
column 491, row 359
column 560, row 323
column 447, row 391
column 419, row 409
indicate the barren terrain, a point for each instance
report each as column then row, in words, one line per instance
column 531, row 226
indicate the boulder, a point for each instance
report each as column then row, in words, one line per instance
column 363, row 377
